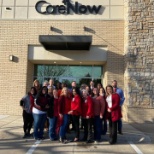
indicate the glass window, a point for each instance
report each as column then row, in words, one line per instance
column 63, row 73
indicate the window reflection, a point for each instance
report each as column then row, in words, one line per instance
column 67, row 74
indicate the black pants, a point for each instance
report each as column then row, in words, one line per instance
column 76, row 125
column 28, row 122
column 87, row 124
column 113, row 131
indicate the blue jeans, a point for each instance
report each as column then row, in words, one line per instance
column 52, row 128
column 97, row 128
column 39, row 122
column 64, row 125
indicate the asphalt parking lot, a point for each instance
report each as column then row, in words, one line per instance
column 137, row 138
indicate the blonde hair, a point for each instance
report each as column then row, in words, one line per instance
column 36, row 81
column 62, row 92
column 68, row 93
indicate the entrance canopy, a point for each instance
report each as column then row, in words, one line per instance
column 66, row 42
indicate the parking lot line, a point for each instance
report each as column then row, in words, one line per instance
column 33, row 147
column 138, row 151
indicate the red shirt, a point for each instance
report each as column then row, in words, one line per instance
column 59, row 92
column 99, row 106
column 55, row 107
column 76, row 105
column 64, row 104
column 87, row 108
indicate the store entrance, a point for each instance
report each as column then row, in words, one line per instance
column 68, row 73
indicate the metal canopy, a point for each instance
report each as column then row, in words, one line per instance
column 66, row 42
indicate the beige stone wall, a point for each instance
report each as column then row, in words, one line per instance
column 139, row 60
column 15, row 36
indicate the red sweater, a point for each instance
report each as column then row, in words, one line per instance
column 76, row 105
column 115, row 109
column 99, row 106
column 64, row 104
column 87, row 108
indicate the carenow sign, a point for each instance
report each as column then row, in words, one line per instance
column 76, row 10
column 67, row 8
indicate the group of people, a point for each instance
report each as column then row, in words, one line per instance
column 88, row 106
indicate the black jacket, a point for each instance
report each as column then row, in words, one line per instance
column 50, row 111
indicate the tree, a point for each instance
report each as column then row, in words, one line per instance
column 85, row 80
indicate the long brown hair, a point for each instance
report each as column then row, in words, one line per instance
column 37, row 87
column 106, row 89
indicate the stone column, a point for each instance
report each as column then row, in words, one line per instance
column 139, row 57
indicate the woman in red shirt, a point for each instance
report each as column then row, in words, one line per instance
column 99, row 109
column 76, row 111
column 64, row 108
column 87, row 116
column 113, row 112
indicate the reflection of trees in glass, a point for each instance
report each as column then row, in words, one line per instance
column 50, row 70
column 67, row 82
column 85, row 80
column 96, row 81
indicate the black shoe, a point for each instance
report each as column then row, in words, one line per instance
column 72, row 129
column 25, row 136
column 112, row 142
column 61, row 140
column 41, row 138
column 120, row 132
column 53, row 139
column 90, row 141
column 83, row 139
column 28, row 135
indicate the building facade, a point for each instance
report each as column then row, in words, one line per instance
column 114, row 35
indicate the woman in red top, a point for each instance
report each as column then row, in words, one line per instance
column 64, row 108
column 99, row 109
column 87, row 116
column 76, row 111
column 113, row 112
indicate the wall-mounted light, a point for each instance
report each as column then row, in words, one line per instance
column 11, row 57
column 90, row 30
column 56, row 30
column 8, row 8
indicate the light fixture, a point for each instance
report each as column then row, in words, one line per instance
column 8, row 8
column 90, row 30
column 80, row 62
column 54, row 62
column 11, row 57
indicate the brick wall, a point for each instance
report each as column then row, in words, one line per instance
column 15, row 36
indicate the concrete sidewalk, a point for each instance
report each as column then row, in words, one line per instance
column 11, row 132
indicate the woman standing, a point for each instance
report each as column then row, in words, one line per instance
column 64, row 108
column 104, row 121
column 26, row 103
column 76, row 111
column 99, row 109
column 39, row 112
column 37, row 85
column 52, row 115
column 113, row 112
column 87, row 116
